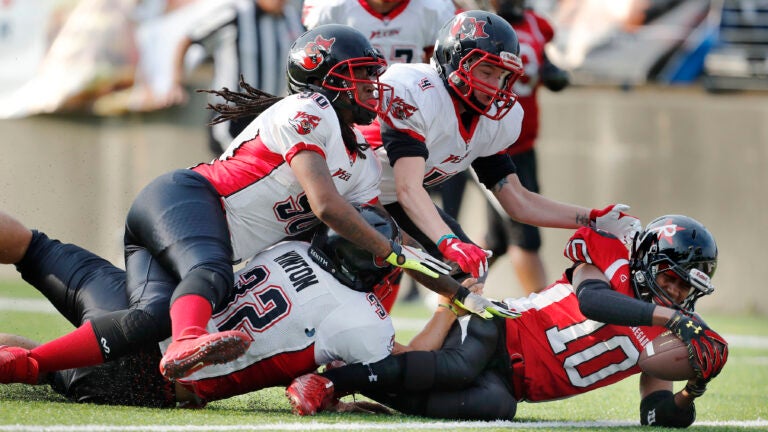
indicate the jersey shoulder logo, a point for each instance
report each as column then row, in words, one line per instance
column 314, row 52
column 425, row 84
column 469, row 28
column 304, row 123
column 402, row 110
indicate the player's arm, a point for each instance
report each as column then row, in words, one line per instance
column 408, row 158
column 660, row 407
column 497, row 173
column 599, row 302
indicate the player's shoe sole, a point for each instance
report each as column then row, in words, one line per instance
column 184, row 357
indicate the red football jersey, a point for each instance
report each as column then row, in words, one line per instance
column 570, row 354
column 534, row 32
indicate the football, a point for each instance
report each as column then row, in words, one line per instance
column 666, row 357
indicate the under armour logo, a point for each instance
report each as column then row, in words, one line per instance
column 104, row 345
column 372, row 377
column 696, row 330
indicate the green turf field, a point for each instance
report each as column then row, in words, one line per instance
column 735, row 400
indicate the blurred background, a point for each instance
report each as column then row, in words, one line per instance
column 667, row 112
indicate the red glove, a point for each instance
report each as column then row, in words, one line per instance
column 613, row 220
column 470, row 258
column 707, row 350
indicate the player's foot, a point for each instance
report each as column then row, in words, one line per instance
column 16, row 366
column 309, row 394
column 196, row 349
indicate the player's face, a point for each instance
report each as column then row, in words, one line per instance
column 490, row 75
column 366, row 91
column 676, row 288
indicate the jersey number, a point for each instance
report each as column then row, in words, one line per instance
column 270, row 305
column 296, row 214
column 573, row 363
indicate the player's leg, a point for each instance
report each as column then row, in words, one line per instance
column 83, row 287
column 486, row 398
column 179, row 220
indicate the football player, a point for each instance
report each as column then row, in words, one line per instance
column 447, row 116
column 402, row 31
column 305, row 305
column 583, row 332
column 521, row 242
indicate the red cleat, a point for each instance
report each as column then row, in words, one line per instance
column 309, row 394
column 194, row 351
column 16, row 366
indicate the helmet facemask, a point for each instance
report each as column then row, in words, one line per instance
column 350, row 78
column 464, row 83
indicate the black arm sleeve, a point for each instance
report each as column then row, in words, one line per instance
column 599, row 302
column 659, row 409
column 399, row 144
column 492, row 169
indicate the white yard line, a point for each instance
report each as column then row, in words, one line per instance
column 749, row 424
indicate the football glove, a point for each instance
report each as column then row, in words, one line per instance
column 613, row 220
column 469, row 257
column 481, row 306
column 416, row 259
column 696, row 388
column 707, row 350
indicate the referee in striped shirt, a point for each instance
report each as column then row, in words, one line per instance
column 248, row 37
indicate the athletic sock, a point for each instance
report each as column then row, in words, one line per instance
column 76, row 349
column 189, row 312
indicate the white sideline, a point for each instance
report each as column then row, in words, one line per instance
column 401, row 324
column 358, row 426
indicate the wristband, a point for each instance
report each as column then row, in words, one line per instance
column 445, row 237
column 449, row 307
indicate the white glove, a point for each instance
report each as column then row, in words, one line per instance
column 416, row 259
column 482, row 306
column 614, row 221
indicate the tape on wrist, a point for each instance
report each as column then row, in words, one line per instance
column 445, row 237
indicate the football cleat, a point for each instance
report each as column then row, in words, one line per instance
column 193, row 352
column 16, row 366
column 309, row 394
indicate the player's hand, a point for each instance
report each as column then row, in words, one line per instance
column 416, row 259
column 469, row 257
column 482, row 306
column 696, row 387
column 613, row 220
column 707, row 350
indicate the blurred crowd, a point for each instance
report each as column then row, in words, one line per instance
column 108, row 57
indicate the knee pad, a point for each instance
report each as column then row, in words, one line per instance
column 122, row 332
column 206, row 283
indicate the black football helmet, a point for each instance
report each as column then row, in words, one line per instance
column 673, row 243
column 352, row 265
column 473, row 38
column 327, row 60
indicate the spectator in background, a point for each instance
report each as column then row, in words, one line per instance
column 404, row 31
column 505, row 235
column 245, row 37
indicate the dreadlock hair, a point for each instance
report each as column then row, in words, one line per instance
column 251, row 102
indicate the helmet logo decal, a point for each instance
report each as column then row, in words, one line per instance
column 402, row 110
column 304, row 123
column 666, row 232
column 311, row 56
column 469, row 28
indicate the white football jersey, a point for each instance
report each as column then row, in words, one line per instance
column 299, row 317
column 423, row 109
column 400, row 36
column 263, row 199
